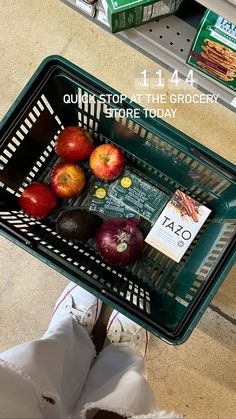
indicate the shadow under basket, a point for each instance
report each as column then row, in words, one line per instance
column 165, row 297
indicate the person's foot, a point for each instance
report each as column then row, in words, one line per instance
column 79, row 303
column 121, row 329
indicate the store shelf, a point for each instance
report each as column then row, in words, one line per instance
column 167, row 42
column 224, row 8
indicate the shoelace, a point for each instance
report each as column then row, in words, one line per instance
column 79, row 317
column 128, row 337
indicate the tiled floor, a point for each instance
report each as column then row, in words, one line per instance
column 197, row 378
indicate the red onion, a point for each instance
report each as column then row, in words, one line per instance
column 119, row 241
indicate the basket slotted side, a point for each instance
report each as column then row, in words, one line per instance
column 163, row 296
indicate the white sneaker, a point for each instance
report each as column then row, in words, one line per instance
column 76, row 301
column 121, row 329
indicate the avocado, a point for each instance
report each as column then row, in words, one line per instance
column 78, row 224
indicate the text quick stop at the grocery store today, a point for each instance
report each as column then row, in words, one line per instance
column 151, row 99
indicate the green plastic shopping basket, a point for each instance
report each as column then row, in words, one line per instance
column 165, row 297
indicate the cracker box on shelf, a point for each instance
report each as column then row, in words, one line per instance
column 214, row 49
column 126, row 14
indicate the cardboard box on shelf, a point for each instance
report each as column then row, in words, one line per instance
column 125, row 14
column 100, row 13
column 214, row 49
column 86, row 6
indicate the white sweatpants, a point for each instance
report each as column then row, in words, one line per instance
column 59, row 377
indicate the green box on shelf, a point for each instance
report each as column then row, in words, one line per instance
column 126, row 14
column 214, row 49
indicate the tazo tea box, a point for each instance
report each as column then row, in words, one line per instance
column 177, row 225
column 139, row 195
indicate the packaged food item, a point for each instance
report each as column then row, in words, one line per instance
column 214, row 49
column 103, row 203
column 86, row 6
column 125, row 14
column 100, row 13
column 177, row 225
column 139, row 195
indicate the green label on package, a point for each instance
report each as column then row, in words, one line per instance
column 214, row 49
column 125, row 14
column 105, row 204
column 139, row 195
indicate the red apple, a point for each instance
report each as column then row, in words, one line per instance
column 37, row 200
column 74, row 143
column 107, row 162
column 67, row 180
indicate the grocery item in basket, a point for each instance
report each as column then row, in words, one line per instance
column 78, row 224
column 104, row 203
column 107, row 162
column 38, row 200
column 125, row 14
column 138, row 194
column 120, row 242
column 214, row 49
column 74, row 144
column 177, row 225
column 67, row 180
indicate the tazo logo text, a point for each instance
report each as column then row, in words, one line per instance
column 177, row 229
